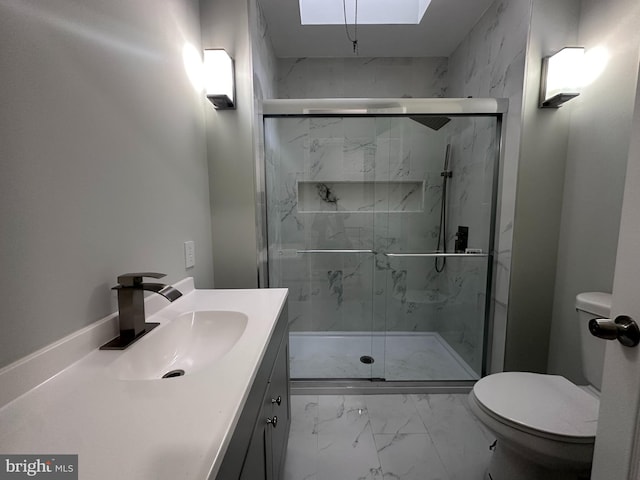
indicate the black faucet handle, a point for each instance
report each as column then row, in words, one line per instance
column 133, row 279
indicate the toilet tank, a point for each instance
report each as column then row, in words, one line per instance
column 592, row 305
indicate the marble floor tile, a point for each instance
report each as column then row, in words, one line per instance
column 346, row 449
column 302, row 458
column 425, row 437
column 302, row 450
column 461, row 441
column 304, row 414
column 394, row 414
column 347, row 455
column 337, row 414
column 409, row 457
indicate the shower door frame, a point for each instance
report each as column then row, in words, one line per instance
column 390, row 107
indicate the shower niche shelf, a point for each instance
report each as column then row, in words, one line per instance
column 396, row 196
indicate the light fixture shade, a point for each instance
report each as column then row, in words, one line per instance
column 219, row 78
column 562, row 77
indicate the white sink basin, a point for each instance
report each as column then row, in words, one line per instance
column 184, row 345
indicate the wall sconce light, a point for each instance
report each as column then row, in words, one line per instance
column 561, row 77
column 219, row 79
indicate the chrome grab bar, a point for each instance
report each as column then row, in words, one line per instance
column 388, row 254
column 336, row 251
column 436, row 254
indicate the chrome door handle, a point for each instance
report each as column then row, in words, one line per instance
column 623, row 328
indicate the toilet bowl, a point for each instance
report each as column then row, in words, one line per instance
column 545, row 425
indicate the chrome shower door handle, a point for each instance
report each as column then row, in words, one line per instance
column 623, row 328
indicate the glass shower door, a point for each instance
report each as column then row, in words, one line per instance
column 436, row 289
column 358, row 231
column 320, row 236
column 331, row 333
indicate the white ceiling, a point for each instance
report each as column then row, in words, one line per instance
column 443, row 27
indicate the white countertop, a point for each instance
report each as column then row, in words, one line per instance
column 172, row 429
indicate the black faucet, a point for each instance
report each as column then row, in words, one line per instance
column 131, row 307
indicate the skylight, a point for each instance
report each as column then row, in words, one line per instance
column 371, row 12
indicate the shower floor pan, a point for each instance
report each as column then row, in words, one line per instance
column 398, row 356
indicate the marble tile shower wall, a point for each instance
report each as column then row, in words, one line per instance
column 368, row 184
column 373, row 77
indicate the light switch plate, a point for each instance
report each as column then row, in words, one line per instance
column 189, row 254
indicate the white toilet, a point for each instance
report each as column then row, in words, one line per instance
column 545, row 425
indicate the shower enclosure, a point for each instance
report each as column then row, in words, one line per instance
column 380, row 218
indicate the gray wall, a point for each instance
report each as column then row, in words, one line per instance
column 594, row 179
column 230, row 147
column 102, row 159
column 543, row 151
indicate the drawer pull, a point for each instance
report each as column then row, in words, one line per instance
column 273, row 421
column 277, row 400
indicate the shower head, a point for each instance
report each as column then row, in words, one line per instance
column 431, row 121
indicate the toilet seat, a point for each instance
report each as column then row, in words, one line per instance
column 548, row 406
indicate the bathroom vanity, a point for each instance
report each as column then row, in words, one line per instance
column 259, row 443
column 226, row 418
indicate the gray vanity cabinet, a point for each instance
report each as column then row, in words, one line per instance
column 278, row 421
column 259, row 443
